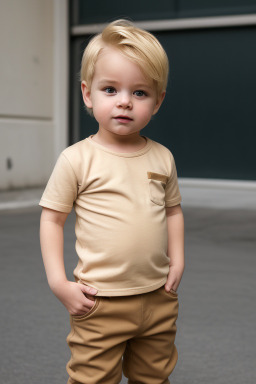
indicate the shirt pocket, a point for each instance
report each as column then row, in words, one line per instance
column 157, row 183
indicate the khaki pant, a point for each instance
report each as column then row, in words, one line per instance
column 131, row 333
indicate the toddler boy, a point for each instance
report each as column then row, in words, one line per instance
column 123, row 304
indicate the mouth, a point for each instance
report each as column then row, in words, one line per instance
column 123, row 118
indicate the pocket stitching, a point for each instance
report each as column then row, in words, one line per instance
column 89, row 313
column 174, row 293
column 159, row 178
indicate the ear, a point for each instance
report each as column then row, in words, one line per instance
column 86, row 94
column 159, row 102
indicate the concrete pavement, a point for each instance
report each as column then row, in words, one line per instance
column 216, row 326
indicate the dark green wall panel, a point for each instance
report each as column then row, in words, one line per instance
column 208, row 118
column 98, row 11
column 198, row 8
column 88, row 12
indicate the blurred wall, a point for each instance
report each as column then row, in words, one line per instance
column 30, row 138
column 208, row 116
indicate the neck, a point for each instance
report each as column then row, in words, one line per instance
column 120, row 143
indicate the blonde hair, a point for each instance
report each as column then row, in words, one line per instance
column 134, row 43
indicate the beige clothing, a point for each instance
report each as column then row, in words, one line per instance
column 119, row 200
column 139, row 328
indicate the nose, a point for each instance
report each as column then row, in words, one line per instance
column 124, row 101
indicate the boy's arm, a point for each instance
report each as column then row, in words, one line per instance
column 71, row 294
column 175, row 225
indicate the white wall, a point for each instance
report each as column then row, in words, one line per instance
column 31, row 37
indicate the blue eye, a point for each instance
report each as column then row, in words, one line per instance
column 140, row 93
column 109, row 90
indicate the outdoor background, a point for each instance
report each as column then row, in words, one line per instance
column 208, row 116
column 207, row 121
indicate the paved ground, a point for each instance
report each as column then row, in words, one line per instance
column 216, row 325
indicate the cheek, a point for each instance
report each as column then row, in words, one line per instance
column 101, row 110
column 145, row 113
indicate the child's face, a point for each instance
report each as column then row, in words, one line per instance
column 122, row 98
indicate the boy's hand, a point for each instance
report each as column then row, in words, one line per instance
column 175, row 226
column 174, row 278
column 73, row 296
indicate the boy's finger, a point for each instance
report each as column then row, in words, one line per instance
column 167, row 288
column 88, row 290
column 169, row 285
column 88, row 304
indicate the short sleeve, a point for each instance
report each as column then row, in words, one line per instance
column 172, row 192
column 61, row 189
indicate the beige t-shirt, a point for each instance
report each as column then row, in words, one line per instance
column 119, row 200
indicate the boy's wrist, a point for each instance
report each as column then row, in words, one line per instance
column 56, row 282
column 174, row 276
column 177, row 270
column 178, row 266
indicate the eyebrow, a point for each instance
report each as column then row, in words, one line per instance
column 107, row 81
column 143, row 85
column 138, row 86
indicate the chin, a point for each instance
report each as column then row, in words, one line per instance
column 124, row 132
